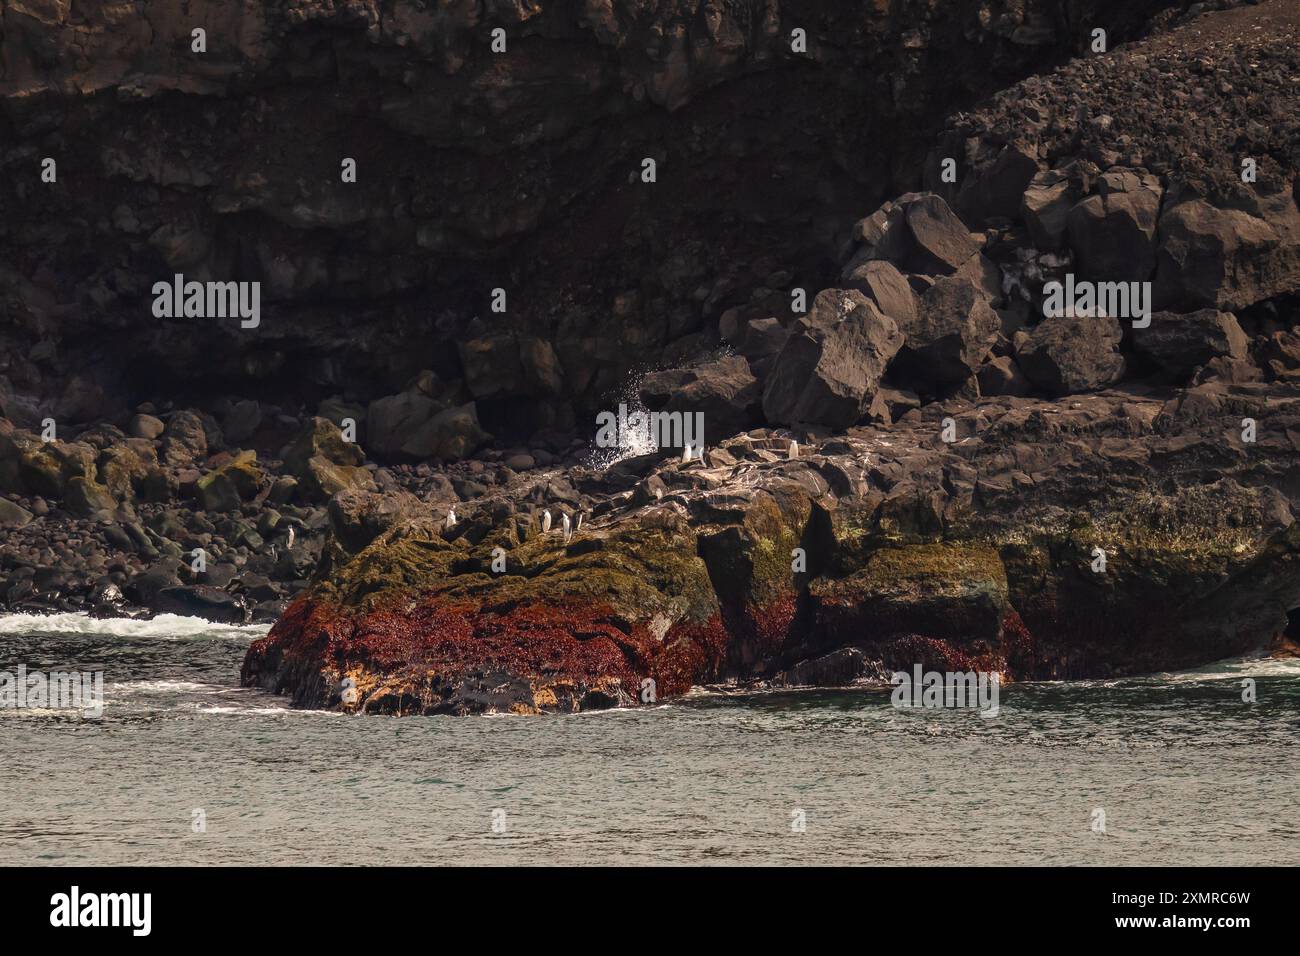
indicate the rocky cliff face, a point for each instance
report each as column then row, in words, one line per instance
column 476, row 169
column 1035, row 416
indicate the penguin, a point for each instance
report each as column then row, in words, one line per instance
column 794, row 448
column 577, row 524
column 546, row 522
column 451, row 519
column 568, row 530
column 686, row 455
column 289, row 543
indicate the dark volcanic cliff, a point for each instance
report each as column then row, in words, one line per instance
column 476, row 170
column 922, row 465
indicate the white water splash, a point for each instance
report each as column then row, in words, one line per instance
column 633, row 441
column 160, row 626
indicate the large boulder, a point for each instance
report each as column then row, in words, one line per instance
column 1046, row 204
column 144, row 587
column 949, row 337
column 33, row 466
column 492, row 365
column 831, row 366
column 324, row 463
column 129, row 467
column 1113, row 233
column 390, row 421
column 321, row 478
column 88, row 498
column 947, row 592
column 881, row 282
column 339, row 410
column 1064, row 355
column 1001, row 375
column 1181, row 343
column 452, row 434
column 242, row 421
column 226, row 487
column 1227, row 258
column 993, row 188
column 201, row 600
column 763, row 340
column 320, row 437
column 185, row 441
column 1280, row 353
column 411, row 426
column 725, row 392
column 921, row 234
column 542, row 369
column 145, row 426
column 358, row 517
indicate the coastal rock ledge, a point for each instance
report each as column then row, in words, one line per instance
column 872, row 550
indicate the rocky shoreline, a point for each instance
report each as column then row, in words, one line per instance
column 919, row 465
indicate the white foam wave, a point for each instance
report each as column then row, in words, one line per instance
column 161, row 626
column 165, row 687
column 285, row 711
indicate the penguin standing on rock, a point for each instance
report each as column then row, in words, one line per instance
column 451, row 519
column 577, row 524
column 794, row 448
column 568, row 531
column 546, row 522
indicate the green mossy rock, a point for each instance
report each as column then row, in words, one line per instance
column 225, row 488
column 321, row 438
column 87, row 498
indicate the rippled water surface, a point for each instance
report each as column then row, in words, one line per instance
column 1184, row 771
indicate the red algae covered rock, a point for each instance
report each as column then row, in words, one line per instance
column 418, row 624
column 941, row 605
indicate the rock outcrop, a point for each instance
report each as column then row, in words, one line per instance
column 840, row 258
column 830, row 367
column 888, row 545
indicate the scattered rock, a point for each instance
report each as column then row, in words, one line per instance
column 13, row 516
column 200, row 600
column 1113, row 233
column 1064, row 355
column 1181, row 343
column 830, row 367
column 725, row 392
column 226, row 487
column 87, row 498
column 145, row 426
column 949, row 337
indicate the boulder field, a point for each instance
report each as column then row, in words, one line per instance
column 911, row 454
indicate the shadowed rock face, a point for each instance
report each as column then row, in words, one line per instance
column 476, row 170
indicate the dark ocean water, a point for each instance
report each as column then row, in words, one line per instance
column 1184, row 771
